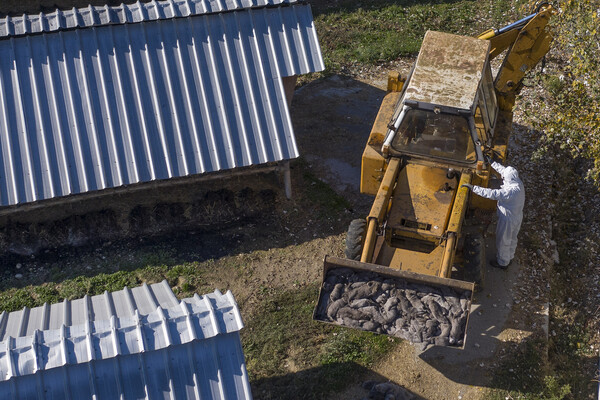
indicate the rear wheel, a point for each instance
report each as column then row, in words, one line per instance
column 355, row 239
column 474, row 255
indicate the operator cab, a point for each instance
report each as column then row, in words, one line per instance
column 448, row 109
column 434, row 134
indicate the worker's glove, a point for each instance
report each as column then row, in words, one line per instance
column 467, row 185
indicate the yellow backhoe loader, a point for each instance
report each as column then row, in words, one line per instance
column 432, row 134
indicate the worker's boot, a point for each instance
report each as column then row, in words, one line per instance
column 495, row 264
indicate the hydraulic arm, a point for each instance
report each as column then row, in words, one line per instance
column 527, row 41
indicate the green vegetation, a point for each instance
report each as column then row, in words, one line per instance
column 575, row 326
column 284, row 337
column 524, row 376
column 549, row 389
column 352, row 346
column 353, row 33
column 187, row 276
column 321, row 194
column 570, row 118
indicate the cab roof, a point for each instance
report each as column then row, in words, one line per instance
column 448, row 70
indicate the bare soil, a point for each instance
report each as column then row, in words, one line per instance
column 265, row 243
column 333, row 119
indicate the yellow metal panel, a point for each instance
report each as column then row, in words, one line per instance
column 532, row 43
column 501, row 42
column 372, row 170
column 373, row 162
column 370, row 240
column 380, row 205
column 423, row 195
column 449, row 252
column 482, row 203
column 413, row 261
column 386, row 111
column 482, row 179
column 395, row 82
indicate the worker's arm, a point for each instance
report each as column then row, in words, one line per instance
column 498, row 167
column 494, row 194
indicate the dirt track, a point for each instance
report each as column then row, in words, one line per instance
column 498, row 321
column 332, row 119
column 281, row 247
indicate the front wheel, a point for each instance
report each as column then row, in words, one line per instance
column 355, row 239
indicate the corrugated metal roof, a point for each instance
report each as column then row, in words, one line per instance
column 125, row 13
column 189, row 351
column 123, row 303
column 101, row 107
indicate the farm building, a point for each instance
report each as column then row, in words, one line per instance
column 106, row 97
column 139, row 343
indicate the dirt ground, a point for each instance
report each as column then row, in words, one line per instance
column 275, row 244
column 333, row 119
column 281, row 245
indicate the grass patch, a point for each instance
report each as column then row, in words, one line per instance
column 353, row 33
column 185, row 279
column 287, row 352
column 321, row 194
column 572, row 358
column 524, row 371
column 573, row 327
column 347, row 346
column 524, row 376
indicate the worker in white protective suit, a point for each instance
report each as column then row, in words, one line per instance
column 511, row 199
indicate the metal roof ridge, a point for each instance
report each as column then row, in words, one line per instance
column 93, row 16
column 197, row 318
column 99, row 307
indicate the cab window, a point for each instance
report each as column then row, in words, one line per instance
column 435, row 134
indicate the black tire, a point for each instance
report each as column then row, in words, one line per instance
column 474, row 255
column 355, row 239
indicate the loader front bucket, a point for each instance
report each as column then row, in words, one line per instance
column 419, row 308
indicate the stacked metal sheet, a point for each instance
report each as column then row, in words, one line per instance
column 187, row 349
column 104, row 97
column 125, row 13
column 120, row 304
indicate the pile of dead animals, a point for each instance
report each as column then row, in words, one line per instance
column 418, row 313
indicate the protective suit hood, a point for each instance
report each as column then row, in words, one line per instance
column 510, row 175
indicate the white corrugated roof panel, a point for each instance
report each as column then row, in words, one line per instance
column 189, row 351
column 125, row 13
column 106, row 106
column 123, row 303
